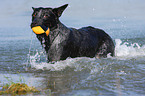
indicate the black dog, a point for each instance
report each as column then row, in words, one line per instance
column 63, row 42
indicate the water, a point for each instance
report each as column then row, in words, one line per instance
column 123, row 75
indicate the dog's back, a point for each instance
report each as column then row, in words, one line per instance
column 89, row 41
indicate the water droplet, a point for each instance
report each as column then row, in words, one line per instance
column 43, row 45
column 43, row 41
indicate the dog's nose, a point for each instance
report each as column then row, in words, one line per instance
column 34, row 23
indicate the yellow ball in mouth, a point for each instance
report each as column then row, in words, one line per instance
column 39, row 30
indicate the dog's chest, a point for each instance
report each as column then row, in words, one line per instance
column 58, row 41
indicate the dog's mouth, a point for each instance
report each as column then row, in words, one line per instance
column 41, row 30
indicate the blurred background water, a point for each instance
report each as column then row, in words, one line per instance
column 122, row 75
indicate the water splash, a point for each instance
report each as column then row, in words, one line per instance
column 124, row 50
column 77, row 64
column 127, row 50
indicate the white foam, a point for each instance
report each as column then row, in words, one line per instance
column 77, row 64
column 57, row 66
column 126, row 50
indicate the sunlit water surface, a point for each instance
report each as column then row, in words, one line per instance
column 21, row 54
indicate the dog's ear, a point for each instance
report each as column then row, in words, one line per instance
column 58, row 11
column 33, row 8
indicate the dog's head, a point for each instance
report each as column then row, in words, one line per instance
column 46, row 19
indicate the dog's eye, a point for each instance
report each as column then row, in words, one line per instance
column 34, row 14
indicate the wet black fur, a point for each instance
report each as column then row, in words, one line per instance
column 64, row 42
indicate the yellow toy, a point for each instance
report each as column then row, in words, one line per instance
column 39, row 30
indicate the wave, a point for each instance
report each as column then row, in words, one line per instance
column 122, row 50
column 77, row 64
column 127, row 50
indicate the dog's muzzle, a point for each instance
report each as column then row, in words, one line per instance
column 41, row 30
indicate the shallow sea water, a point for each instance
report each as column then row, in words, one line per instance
column 123, row 75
